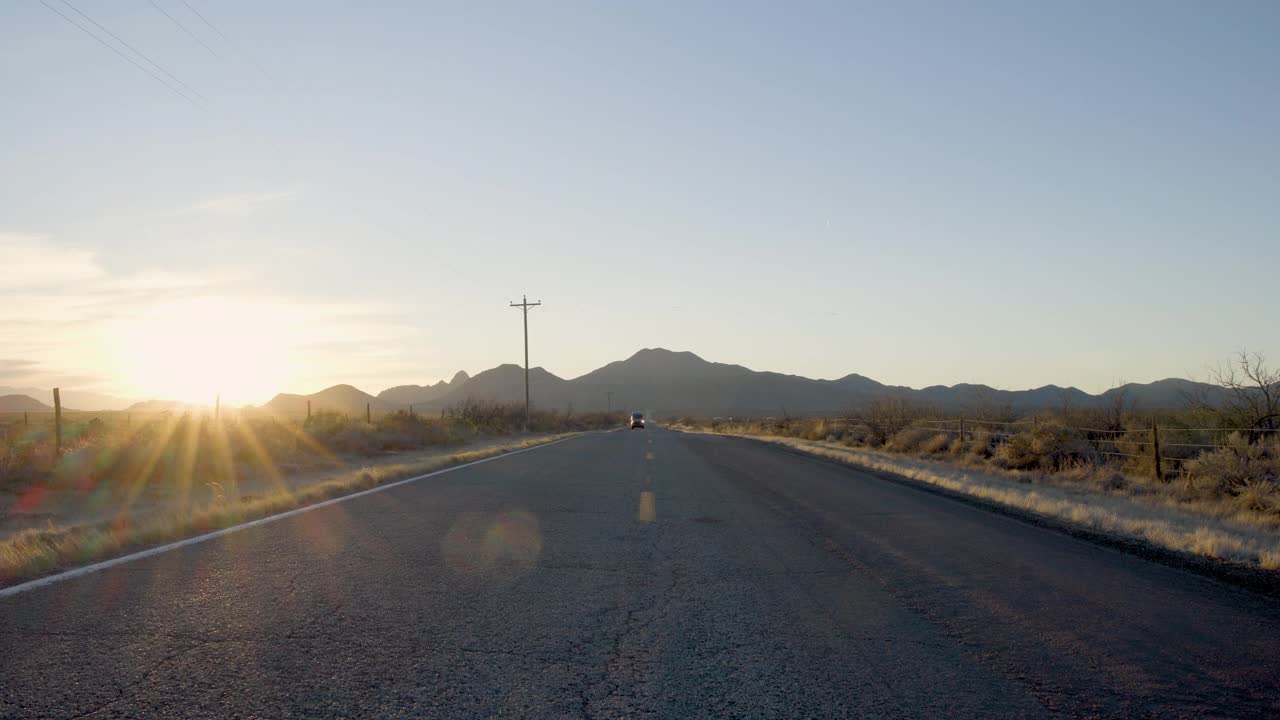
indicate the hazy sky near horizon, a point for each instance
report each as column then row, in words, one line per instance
column 1009, row 193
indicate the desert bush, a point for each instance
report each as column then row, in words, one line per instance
column 978, row 446
column 940, row 442
column 909, row 439
column 816, row 429
column 1259, row 496
column 1239, row 465
column 358, row 439
column 856, row 434
column 325, row 424
column 1044, row 447
column 886, row 417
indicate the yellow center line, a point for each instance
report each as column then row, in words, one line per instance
column 648, row 511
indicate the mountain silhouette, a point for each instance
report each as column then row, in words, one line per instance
column 22, row 403
column 505, row 383
column 339, row 398
column 72, row 398
column 421, row 394
column 667, row 383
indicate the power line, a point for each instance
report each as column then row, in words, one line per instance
column 227, row 40
column 206, row 22
column 184, row 28
column 135, row 51
column 113, row 49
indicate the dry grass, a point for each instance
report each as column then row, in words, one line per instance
column 32, row 553
column 1098, row 499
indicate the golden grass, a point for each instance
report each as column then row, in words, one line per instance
column 1211, row 528
column 35, row 552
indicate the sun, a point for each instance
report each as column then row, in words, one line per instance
column 195, row 349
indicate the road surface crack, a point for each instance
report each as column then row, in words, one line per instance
column 123, row 692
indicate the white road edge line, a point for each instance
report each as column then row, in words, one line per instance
column 95, row 567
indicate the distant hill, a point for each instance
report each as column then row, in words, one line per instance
column 22, row 403
column 1167, row 393
column 72, row 398
column 339, row 398
column 666, row 383
column 505, row 383
column 421, row 394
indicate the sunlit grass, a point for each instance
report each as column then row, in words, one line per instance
column 126, row 485
column 35, row 552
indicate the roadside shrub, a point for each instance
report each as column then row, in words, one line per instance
column 325, row 424
column 982, row 444
column 857, row 434
column 815, row 430
column 1043, row 448
column 886, row 417
column 978, row 446
column 911, row 439
column 1238, row 465
column 936, row 444
column 358, row 439
column 1259, row 496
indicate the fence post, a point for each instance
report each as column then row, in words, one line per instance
column 961, row 429
column 368, row 416
column 410, row 409
column 1155, row 449
column 26, row 421
column 57, row 422
column 308, row 409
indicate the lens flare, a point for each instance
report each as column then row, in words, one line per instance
column 503, row 545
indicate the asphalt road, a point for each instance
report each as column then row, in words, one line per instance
column 642, row 574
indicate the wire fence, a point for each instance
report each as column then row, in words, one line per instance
column 1166, row 447
column 1163, row 449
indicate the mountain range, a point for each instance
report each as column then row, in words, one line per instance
column 667, row 383
column 78, row 399
column 662, row 383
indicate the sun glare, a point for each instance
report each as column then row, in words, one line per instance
column 193, row 349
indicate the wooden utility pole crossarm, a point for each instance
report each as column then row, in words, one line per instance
column 524, row 305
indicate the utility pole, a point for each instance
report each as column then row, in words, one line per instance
column 524, row 305
column 609, row 394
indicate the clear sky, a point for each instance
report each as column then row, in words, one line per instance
column 1013, row 193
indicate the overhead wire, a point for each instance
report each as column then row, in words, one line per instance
column 136, row 51
column 205, row 20
column 116, row 50
column 240, row 50
column 184, row 28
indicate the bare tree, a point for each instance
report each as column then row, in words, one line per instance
column 887, row 416
column 1252, row 391
column 987, row 406
column 1118, row 404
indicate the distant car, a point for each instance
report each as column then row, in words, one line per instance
column 637, row 421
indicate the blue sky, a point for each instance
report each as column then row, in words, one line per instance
column 1008, row 193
